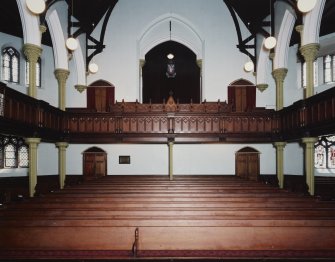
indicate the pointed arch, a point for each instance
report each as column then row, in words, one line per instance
column 312, row 23
column 158, row 32
column 30, row 24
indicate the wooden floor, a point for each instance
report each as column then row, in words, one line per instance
column 150, row 217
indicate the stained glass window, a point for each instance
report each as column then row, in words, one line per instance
column 325, row 152
column 329, row 68
column 10, row 64
column 10, row 156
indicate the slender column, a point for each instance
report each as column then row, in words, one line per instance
column 309, row 52
column 170, row 160
column 62, row 162
column 141, row 64
column 199, row 63
column 33, row 143
column 279, row 75
column 32, row 52
column 280, row 162
column 61, row 75
column 309, row 162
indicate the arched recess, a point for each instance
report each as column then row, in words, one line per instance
column 100, row 96
column 158, row 32
column 158, row 85
column 312, row 23
column 94, row 163
column 30, row 24
column 242, row 95
column 247, row 163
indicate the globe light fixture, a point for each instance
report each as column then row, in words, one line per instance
column 170, row 56
column 36, row 6
column 270, row 42
column 93, row 68
column 71, row 43
column 306, row 6
column 249, row 66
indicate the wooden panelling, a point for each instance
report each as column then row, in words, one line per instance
column 203, row 122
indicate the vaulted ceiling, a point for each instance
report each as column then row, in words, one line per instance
column 89, row 13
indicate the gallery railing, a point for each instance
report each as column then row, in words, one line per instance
column 158, row 123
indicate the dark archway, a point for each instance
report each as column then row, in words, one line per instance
column 185, row 85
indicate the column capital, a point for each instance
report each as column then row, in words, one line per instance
column 32, row 140
column 199, row 63
column 279, row 144
column 310, row 51
column 43, row 29
column 32, row 52
column 61, row 74
column 142, row 63
column 311, row 140
column 279, row 74
column 262, row 87
column 62, row 144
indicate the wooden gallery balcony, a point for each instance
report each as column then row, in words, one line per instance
column 133, row 122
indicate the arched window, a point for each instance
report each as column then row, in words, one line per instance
column 10, row 65
column 23, row 156
column 325, row 152
column 13, row 152
column 38, row 73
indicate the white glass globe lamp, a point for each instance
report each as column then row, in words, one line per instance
column 249, row 66
column 306, row 6
column 71, row 43
column 270, row 42
column 36, row 6
column 93, row 68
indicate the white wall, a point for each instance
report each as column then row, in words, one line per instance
column 188, row 159
column 222, row 62
column 293, row 159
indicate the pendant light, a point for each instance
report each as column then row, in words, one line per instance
column 71, row 43
column 249, row 65
column 37, row 7
column 270, row 42
column 93, row 68
column 170, row 68
column 306, row 6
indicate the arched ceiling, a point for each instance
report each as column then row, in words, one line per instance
column 89, row 13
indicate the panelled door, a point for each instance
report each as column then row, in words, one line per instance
column 94, row 163
column 247, row 164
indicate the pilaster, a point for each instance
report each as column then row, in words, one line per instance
column 61, row 76
column 32, row 52
column 309, row 52
column 279, row 75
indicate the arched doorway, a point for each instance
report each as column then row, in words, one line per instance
column 94, row 163
column 185, row 85
column 242, row 95
column 247, row 163
column 100, row 95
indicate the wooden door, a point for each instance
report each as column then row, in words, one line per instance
column 247, row 165
column 94, row 165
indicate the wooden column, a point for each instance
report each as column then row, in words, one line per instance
column 309, row 162
column 33, row 143
column 280, row 162
column 279, row 75
column 32, row 52
column 61, row 76
column 170, row 144
column 62, row 162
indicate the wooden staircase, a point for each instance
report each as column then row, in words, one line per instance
column 150, row 217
